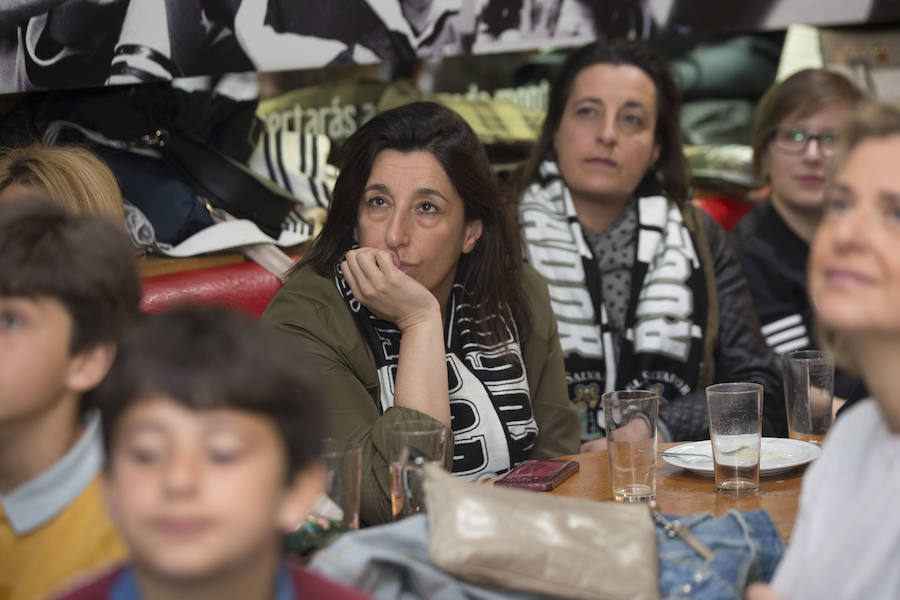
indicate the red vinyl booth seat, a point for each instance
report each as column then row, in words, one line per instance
column 246, row 287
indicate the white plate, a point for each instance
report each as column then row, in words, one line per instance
column 777, row 455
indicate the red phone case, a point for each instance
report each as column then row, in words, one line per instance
column 539, row 475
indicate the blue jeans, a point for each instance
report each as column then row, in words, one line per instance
column 747, row 548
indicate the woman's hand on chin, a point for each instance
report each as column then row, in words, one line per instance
column 388, row 292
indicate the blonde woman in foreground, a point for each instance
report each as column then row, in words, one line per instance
column 847, row 536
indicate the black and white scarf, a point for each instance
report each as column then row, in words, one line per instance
column 663, row 335
column 490, row 404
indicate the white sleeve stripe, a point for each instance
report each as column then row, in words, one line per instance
column 792, row 345
column 786, row 335
column 780, row 324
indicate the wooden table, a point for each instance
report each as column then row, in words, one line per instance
column 682, row 492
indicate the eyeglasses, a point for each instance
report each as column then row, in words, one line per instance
column 795, row 141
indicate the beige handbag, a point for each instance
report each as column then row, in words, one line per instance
column 535, row 542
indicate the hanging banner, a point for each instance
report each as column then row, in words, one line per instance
column 46, row 44
column 81, row 43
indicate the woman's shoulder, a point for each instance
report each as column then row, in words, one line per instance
column 306, row 294
column 705, row 229
column 307, row 279
column 860, row 424
column 853, row 440
column 306, row 285
column 534, row 285
column 311, row 307
column 695, row 217
column 537, row 301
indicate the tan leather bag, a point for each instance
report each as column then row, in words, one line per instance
column 529, row 541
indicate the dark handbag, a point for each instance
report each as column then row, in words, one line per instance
column 226, row 183
column 151, row 185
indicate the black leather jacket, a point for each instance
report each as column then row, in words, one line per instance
column 741, row 353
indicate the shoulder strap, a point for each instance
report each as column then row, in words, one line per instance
column 225, row 182
column 693, row 219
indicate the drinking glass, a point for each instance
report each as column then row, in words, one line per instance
column 631, row 421
column 343, row 461
column 410, row 447
column 808, row 394
column 735, row 431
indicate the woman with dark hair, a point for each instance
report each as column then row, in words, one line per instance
column 415, row 300
column 646, row 291
column 794, row 135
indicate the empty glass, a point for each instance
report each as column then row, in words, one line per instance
column 631, row 421
column 808, row 394
column 735, row 431
column 343, row 460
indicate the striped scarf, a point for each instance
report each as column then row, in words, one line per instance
column 662, row 345
column 490, row 402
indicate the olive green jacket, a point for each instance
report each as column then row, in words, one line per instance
column 311, row 307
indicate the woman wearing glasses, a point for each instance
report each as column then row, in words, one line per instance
column 846, row 537
column 794, row 135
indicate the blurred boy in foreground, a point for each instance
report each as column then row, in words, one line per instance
column 68, row 284
column 212, row 426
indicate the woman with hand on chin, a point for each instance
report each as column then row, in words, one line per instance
column 847, row 535
column 416, row 303
column 646, row 290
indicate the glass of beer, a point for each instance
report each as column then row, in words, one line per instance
column 808, row 394
column 410, row 447
column 631, row 418
column 735, row 430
